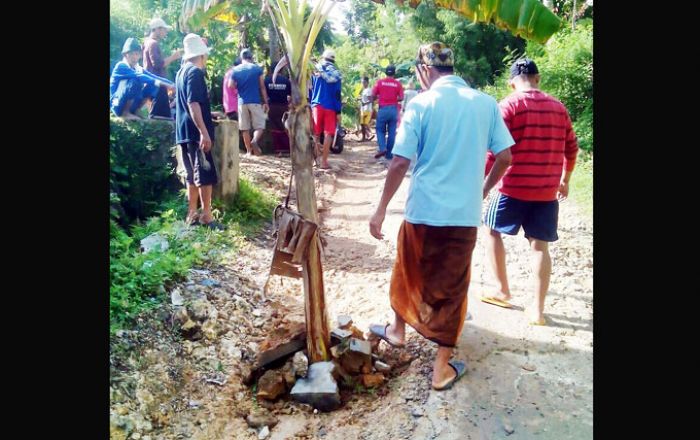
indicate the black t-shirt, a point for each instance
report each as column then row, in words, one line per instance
column 278, row 92
column 191, row 87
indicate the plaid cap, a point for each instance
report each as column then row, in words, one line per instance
column 435, row 54
column 523, row 66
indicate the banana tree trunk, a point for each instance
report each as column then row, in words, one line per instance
column 317, row 331
column 274, row 47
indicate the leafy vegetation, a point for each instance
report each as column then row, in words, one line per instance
column 140, row 280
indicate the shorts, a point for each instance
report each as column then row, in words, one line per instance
column 200, row 172
column 538, row 219
column 324, row 120
column 251, row 116
column 365, row 117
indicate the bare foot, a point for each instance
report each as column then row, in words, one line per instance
column 501, row 296
column 534, row 317
column 325, row 166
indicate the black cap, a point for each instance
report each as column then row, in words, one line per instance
column 524, row 66
column 390, row 69
column 131, row 45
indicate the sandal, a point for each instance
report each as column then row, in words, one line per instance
column 379, row 331
column 460, row 368
column 214, row 225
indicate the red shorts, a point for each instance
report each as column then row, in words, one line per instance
column 324, row 120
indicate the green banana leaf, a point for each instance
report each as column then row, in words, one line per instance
column 528, row 19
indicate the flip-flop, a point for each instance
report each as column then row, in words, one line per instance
column 460, row 368
column 214, row 225
column 379, row 154
column 540, row 322
column 496, row 302
column 379, row 331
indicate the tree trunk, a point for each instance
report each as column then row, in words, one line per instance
column 243, row 43
column 274, row 48
column 317, row 332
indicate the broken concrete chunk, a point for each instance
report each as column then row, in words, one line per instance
column 300, row 364
column 319, row 388
column 339, row 335
column 344, row 322
column 357, row 358
column 372, row 380
column 271, row 385
column 381, row 367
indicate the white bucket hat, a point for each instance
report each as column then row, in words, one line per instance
column 329, row 54
column 158, row 23
column 194, row 46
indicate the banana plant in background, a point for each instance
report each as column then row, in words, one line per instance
column 528, row 19
column 196, row 14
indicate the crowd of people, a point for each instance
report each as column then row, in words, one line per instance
column 463, row 144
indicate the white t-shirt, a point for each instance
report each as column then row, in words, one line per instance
column 367, row 99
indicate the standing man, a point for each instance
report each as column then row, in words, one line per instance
column 253, row 102
column 367, row 104
column 450, row 127
column 194, row 130
column 529, row 194
column 279, row 92
column 154, row 62
column 325, row 103
column 390, row 92
column 130, row 86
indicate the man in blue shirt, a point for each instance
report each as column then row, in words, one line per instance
column 194, row 130
column 325, row 102
column 449, row 127
column 252, row 100
column 129, row 85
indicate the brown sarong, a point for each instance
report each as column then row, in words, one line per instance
column 430, row 279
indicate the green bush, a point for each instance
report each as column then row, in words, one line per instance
column 139, row 281
column 142, row 167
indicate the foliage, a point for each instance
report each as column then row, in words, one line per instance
column 142, row 168
column 527, row 18
column 139, row 281
column 566, row 68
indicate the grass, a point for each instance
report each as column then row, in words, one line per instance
column 140, row 281
column 581, row 186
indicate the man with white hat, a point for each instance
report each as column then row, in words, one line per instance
column 154, row 62
column 325, row 102
column 129, row 85
column 194, row 130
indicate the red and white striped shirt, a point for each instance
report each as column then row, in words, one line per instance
column 545, row 145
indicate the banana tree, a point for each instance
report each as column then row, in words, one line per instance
column 528, row 19
column 297, row 33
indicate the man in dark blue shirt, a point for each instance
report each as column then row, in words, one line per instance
column 279, row 93
column 195, row 130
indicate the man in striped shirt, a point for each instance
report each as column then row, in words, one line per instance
column 544, row 156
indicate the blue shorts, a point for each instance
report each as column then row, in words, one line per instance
column 538, row 219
